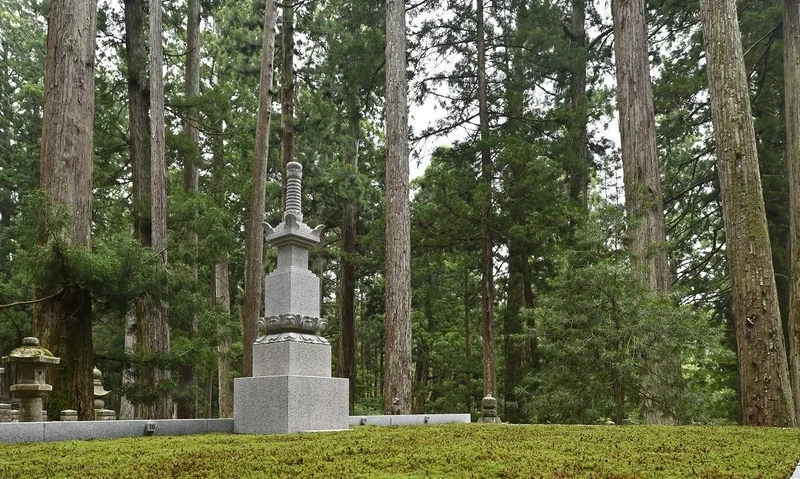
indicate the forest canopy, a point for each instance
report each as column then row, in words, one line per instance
column 602, row 230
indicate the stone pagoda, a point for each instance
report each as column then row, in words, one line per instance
column 291, row 389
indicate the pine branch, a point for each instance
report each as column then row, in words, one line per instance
column 32, row 301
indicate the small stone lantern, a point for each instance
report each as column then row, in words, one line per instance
column 101, row 414
column 489, row 414
column 31, row 361
column 5, row 412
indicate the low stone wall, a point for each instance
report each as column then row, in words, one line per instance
column 408, row 419
column 13, row 432
column 79, row 430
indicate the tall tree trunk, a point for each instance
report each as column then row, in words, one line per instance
column 139, row 148
column 397, row 396
column 487, row 253
column 187, row 404
column 643, row 201
column 254, row 244
column 579, row 164
column 63, row 321
column 347, row 312
column 139, row 118
column 765, row 394
column 467, row 338
column 513, row 331
column 152, row 333
column 287, row 94
column 127, row 409
column 222, row 296
column 517, row 351
column 422, row 355
column 220, row 283
column 791, row 65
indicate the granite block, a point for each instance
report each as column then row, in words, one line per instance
column 448, row 418
column 283, row 404
column 179, row 427
column 291, row 290
column 21, row 432
column 291, row 255
column 291, row 358
column 370, row 420
column 82, row 430
column 260, row 405
column 220, row 425
column 408, row 419
column 318, row 404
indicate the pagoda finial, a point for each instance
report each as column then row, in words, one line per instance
column 294, row 173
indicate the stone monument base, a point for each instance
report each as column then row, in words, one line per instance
column 284, row 404
column 292, row 358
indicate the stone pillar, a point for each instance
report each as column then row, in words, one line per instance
column 489, row 414
column 31, row 361
column 15, row 415
column 5, row 412
column 69, row 415
column 291, row 389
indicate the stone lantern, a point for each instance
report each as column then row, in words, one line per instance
column 489, row 414
column 101, row 414
column 31, row 361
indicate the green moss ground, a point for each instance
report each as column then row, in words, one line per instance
column 457, row 451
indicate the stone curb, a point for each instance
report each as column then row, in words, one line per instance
column 15, row 432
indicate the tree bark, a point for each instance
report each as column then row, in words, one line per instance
column 153, row 335
column 487, row 252
column 63, row 323
column 791, row 65
column 579, row 164
column 643, row 201
column 518, row 298
column 287, row 94
column 254, row 244
column 127, row 408
column 347, row 312
column 467, row 338
column 139, row 149
column 220, row 282
column 397, row 396
column 139, row 119
column 222, row 296
column 187, row 384
column 765, row 394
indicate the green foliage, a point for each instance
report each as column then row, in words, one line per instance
column 464, row 450
column 584, row 312
column 596, row 328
